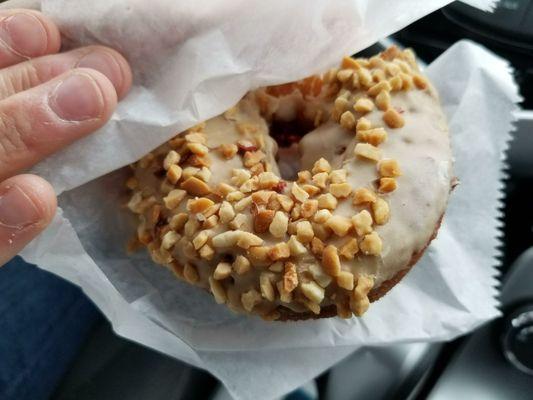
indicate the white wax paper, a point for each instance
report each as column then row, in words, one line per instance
column 192, row 61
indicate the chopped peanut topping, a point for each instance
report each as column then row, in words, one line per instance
column 174, row 173
column 174, row 198
column 250, row 185
column 285, row 202
column 284, row 296
column 387, row 185
column 304, row 176
column 225, row 239
column 235, row 196
column 155, row 214
column 171, row 159
column 279, row 251
column 239, row 176
column 199, row 205
column 196, row 138
column 340, row 190
column 198, row 149
column 200, row 239
column 226, row 212
column 211, row 210
column 191, row 226
column 298, row 193
column 341, row 104
column 345, row 280
column 223, row 189
column 210, row 222
column 218, row 291
column 376, row 62
column 258, row 255
column 246, row 239
column 206, row 252
column 359, row 302
column 241, row 265
column 349, row 249
column 362, row 222
column 189, row 171
column 320, row 179
column 243, row 203
column 319, row 275
column 371, row 244
column 374, row 136
column 274, row 203
column 338, row 176
column 317, row 246
column 190, row 273
column 321, row 216
column 195, row 187
column 265, row 283
column 304, row 231
column 239, row 222
column 257, row 169
column 363, row 124
column 330, row 261
column 389, row 168
column 339, row 225
column 321, row 230
column 296, row 247
column 383, row 100
column 222, row 271
column 321, row 165
column 178, row 221
column 368, row 151
column 396, row 83
column 363, row 105
column 328, row 201
column 204, row 174
column 365, row 78
column 253, row 157
column 169, row 239
column 311, row 189
column 344, row 74
column 378, row 75
column 250, row 299
column 378, row 87
column 420, row 82
column 309, row 208
column 290, row 277
column 262, row 220
column 348, row 62
column 312, row 291
column 347, row 120
column 363, row 195
column 393, row 118
column 261, row 197
column 228, row 150
column 267, row 180
column 278, row 227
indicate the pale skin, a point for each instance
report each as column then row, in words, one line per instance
column 48, row 99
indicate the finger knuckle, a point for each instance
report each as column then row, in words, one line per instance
column 13, row 135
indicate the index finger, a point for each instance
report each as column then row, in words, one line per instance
column 25, row 34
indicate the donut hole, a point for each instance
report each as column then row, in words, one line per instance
column 288, row 134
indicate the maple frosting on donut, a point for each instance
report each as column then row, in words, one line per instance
column 375, row 176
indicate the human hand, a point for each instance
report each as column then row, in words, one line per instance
column 47, row 100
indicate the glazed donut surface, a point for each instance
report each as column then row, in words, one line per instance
column 375, row 176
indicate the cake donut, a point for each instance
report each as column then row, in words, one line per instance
column 374, row 180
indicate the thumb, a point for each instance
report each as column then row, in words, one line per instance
column 27, row 205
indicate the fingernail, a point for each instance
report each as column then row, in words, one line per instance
column 106, row 64
column 24, row 34
column 17, row 210
column 77, row 98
